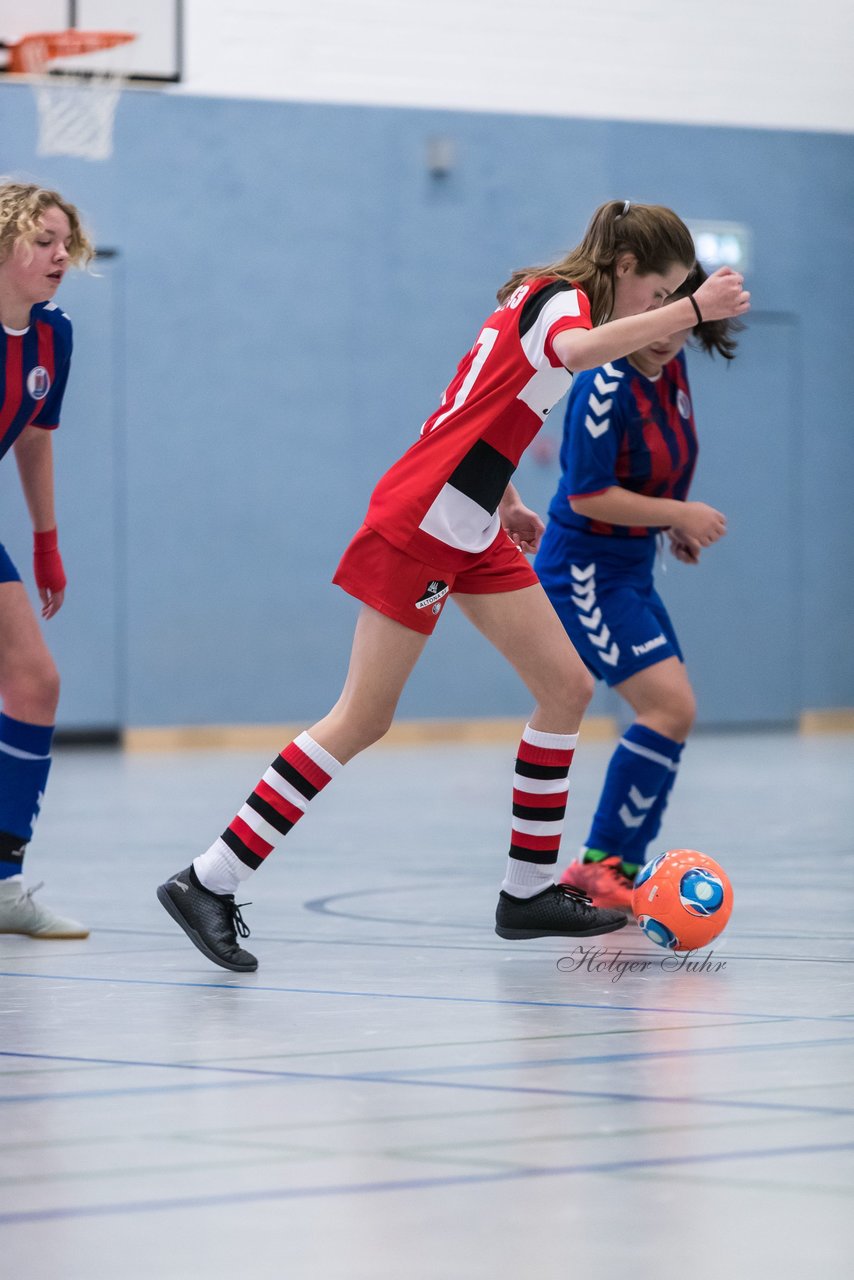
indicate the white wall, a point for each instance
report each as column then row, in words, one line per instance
column 737, row 62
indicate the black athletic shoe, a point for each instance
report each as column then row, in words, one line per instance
column 557, row 912
column 211, row 921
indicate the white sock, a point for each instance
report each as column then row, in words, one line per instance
column 524, row 879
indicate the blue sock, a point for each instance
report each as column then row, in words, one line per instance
column 24, row 766
column 634, row 796
column 652, row 823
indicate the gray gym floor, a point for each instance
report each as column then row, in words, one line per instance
column 397, row 1092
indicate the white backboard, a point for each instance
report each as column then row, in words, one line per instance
column 155, row 54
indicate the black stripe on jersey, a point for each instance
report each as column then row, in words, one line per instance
column 534, row 305
column 483, row 475
column 526, row 770
column 294, row 777
column 531, row 814
column 239, row 849
column 266, row 811
column 543, row 857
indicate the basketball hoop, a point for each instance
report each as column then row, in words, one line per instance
column 76, row 109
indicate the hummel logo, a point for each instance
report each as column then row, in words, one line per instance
column 181, row 885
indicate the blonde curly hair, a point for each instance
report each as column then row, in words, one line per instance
column 21, row 207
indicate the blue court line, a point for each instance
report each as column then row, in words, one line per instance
column 639, row 1056
column 249, row 986
column 265, row 1075
column 235, row 1199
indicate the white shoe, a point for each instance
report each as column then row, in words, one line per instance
column 20, row 914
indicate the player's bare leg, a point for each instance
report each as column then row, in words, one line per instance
column 201, row 898
column 662, row 698
column 382, row 658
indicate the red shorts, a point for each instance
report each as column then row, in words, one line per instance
column 412, row 592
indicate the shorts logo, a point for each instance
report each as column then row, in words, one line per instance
column 683, row 404
column 38, row 382
column 640, row 649
column 435, row 593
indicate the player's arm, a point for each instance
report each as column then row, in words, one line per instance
column 721, row 296
column 523, row 525
column 616, row 505
column 34, row 456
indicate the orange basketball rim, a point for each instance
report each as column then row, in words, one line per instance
column 32, row 52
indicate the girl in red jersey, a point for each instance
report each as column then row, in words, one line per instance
column 445, row 520
column 40, row 238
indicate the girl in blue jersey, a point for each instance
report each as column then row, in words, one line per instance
column 40, row 238
column 628, row 455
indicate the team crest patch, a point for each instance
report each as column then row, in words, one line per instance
column 683, row 404
column 433, row 596
column 38, row 382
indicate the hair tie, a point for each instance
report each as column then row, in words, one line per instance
column 697, row 311
column 627, row 204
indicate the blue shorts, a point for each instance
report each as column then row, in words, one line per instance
column 8, row 572
column 603, row 592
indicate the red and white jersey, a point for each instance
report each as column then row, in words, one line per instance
column 439, row 503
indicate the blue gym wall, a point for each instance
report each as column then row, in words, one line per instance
column 291, row 293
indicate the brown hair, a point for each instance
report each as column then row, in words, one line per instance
column 654, row 234
column 710, row 335
column 21, row 207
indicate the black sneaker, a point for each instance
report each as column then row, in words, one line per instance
column 212, row 921
column 557, row 912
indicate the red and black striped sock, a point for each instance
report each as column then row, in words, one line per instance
column 540, row 791
column 279, row 800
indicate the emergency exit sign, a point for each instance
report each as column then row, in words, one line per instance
column 721, row 244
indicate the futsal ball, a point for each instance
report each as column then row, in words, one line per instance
column 682, row 899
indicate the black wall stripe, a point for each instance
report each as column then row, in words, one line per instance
column 483, row 475
column 534, row 305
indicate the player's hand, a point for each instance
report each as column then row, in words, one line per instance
column 48, row 572
column 524, row 526
column 722, row 295
column 685, row 548
column 702, row 523
column 52, row 601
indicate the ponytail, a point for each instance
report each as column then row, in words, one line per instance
column 652, row 233
column 710, row 335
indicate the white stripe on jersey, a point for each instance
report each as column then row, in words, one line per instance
column 460, row 522
column 563, row 304
column 542, row 392
column 285, row 790
column 540, row 786
column 549, row 383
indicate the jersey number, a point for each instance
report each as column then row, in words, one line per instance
column 479, row 352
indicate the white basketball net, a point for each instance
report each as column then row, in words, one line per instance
column 76, row 116
column 76, row 112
